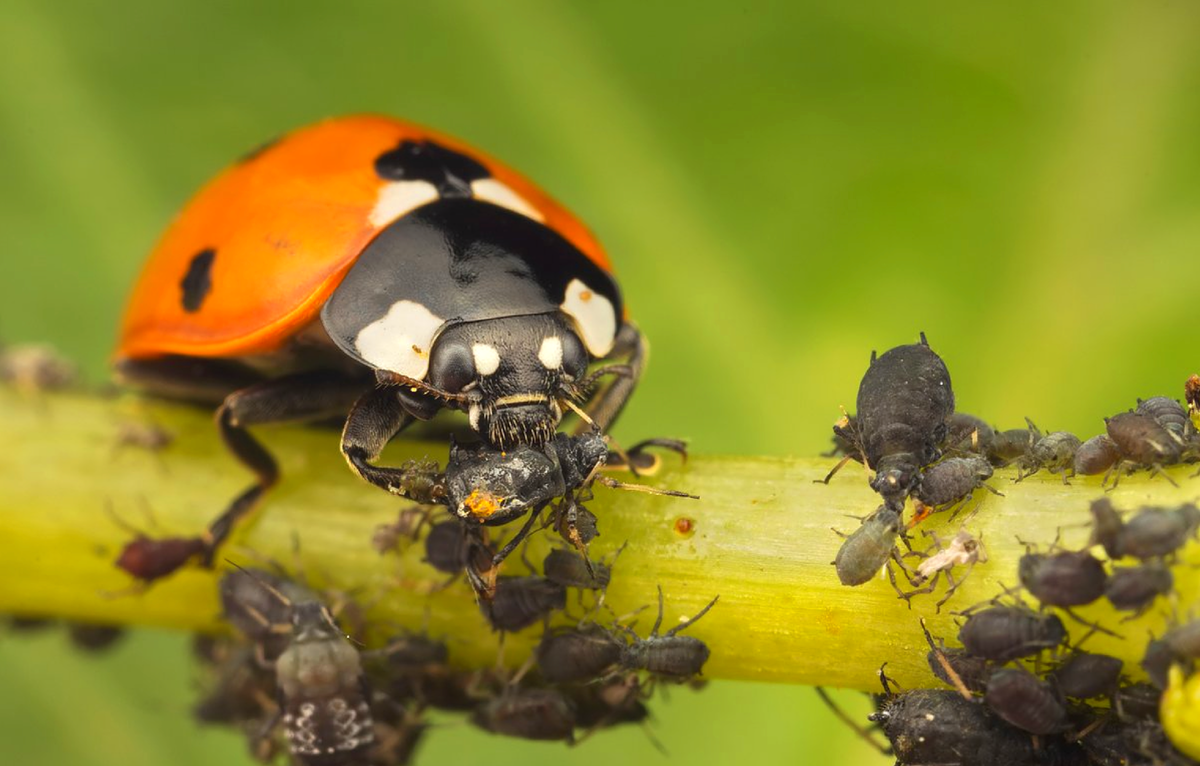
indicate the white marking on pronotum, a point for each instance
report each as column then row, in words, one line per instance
column 473, row 416
column 487, row 358
column 495, row 192
column 401, row 197
column 550, row 354
column 595, row 315
column 399, row 341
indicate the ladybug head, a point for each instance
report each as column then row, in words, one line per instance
column 513, row 374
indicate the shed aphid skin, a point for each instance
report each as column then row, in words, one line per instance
column 1097, row 455
column 362, row 226
column 1143, row 443
column 1055, row 452
column 1180, row 712
column 938, row 561
column 1134, row 589
column 905, row 401
column 1004, row 633
column 950, row 484
column 1025, row 701
column 867, row 549
column 669, row 656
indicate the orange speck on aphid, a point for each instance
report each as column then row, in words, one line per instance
column 684, row 527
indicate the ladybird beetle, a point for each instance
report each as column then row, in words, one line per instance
column 368, row 265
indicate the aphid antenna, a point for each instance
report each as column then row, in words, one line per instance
column 863, row 732
column 264, row 585
column 534, row 515
column 1094, row 626
column 689, row 622
column 124, row 525
column 612, row 483
column 955, row 679
column 887, row 687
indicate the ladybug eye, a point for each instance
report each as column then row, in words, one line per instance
column 574, row 356
column 451, row 367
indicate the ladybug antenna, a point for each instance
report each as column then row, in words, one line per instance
column 587, row 384
column 386, row 378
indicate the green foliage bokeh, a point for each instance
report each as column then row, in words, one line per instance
column 783, row 186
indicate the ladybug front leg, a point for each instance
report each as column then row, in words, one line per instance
column 377, row 417
column 604, row 408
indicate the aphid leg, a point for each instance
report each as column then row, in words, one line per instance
column 864, row 733
column 955, row 679
column 1094, row 626
column 836, row 468
column 1157, row 470
column 953, row 586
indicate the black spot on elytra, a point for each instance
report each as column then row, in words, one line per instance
column 197, row 283
column 450, row 172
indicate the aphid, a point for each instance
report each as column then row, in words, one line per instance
column 571, row 570
column 669, row 656
column 1158, row 532
column 147, row 436
column 93, row 637
column 567, row 655
column 1180, row 712
column 955, row 665
column 1107, row 527
column 1025, row 701
column 1011, row 445
column 1139, row 700
column 147, row 559
column 1143, row 442
column 867, row 549
column 1184, row 640
column 952, row 482
column 538, row 714
column 453, row 547
column 1086, row 675
column 242, row 690
column 408, row 525
column 1133, row 589
column 904, row 402
column 522, row 601
column 1157, row 660
column 1003, row 633
column 1096, row 455
column 967, row 433
column 1055, row 452
column 35, row 368
column 938, row 726
column 1167, row 412
column 963, row 550
column 413, row 652
column 1063, row 578
column 609, row 703
column 260, row 605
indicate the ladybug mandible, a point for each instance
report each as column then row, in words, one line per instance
column 369, row 265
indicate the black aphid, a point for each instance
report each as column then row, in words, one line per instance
column 539, row 714
column 952, row 482
column 260, row 604
column 407, row 527
column 967, row 433
column 1025, row 701
column 669, row 656
column 955, row 665
column 1157, row 662
column 1184, row 640
column 326, row 716
column 1143, row 443
column 571, row 570
column 93, row 637
column 1139, row 700
column 1003, row 633
column 1055, row 452
column 867, row 549
column 241, row 689
column 1096, row 456
column 1063, row 578
column 1168, row 413
column 1011, row 445
column 567, row 655
column 522, row 601
column 1158, row 532
column 1086, row 675
column 904, row 403
column 1134, row 589
column 610, row 703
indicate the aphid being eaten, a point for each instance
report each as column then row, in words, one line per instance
column 867, row 549
column 963, row 550
column 905, row 400
column 669, row 656
column 950, row 484
column 1055, row 452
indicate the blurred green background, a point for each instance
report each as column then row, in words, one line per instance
column 783, row 186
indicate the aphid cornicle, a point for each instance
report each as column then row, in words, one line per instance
column 1003, row 633
column 328, row 274
column 1025, row 701
column 904, row 403
column 867, row 549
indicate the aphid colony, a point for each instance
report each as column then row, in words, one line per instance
column 906, row 431
column 1022, row 695
column 294, row 682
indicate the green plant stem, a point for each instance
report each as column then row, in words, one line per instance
column 761, row 539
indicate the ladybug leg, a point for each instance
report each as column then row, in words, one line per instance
column 184, row 377
column 377, row 417
column 604, row 408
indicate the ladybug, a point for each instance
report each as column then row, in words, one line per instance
column 368, row 265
